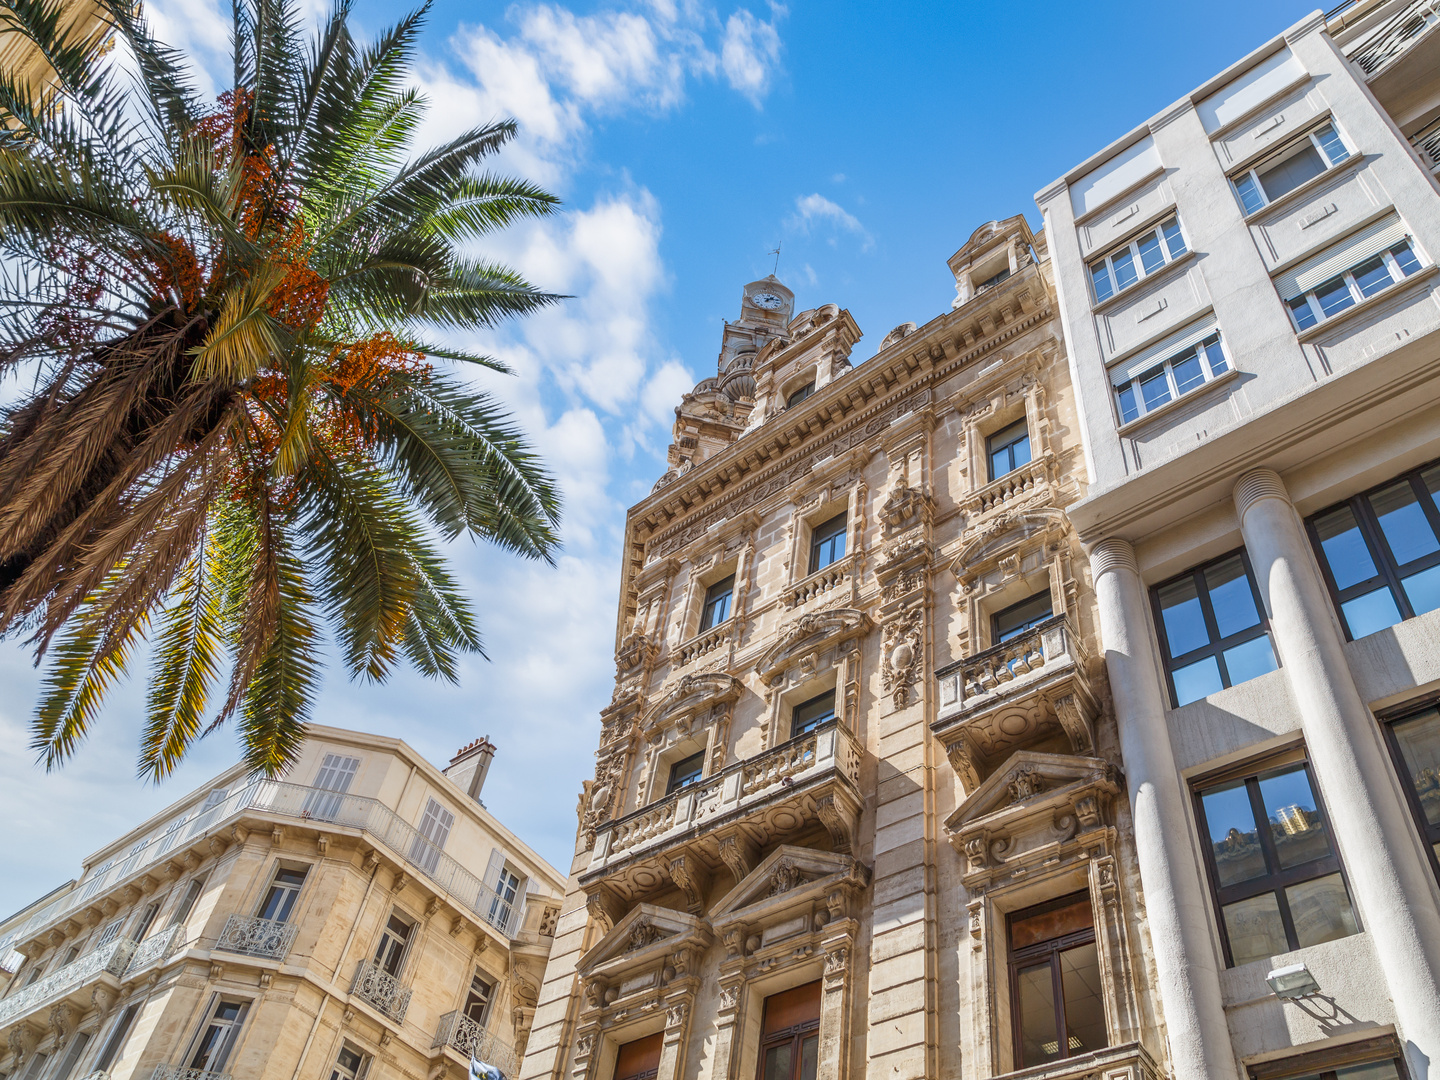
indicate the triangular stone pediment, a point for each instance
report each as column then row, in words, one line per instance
column 811, row 633
column 1030, row 780
column 647, row 932
column 787, row 875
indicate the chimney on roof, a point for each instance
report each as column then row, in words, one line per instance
column 468, row 767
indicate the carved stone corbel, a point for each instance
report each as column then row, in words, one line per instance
column 692, row 878
column 401, row 880
column 738, row 854
column 836, row 822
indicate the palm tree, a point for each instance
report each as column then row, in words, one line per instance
column 231, row 428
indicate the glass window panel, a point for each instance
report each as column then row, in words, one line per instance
column 1379, row 1070
column 1250, row 659
column 1419, row 741
column 687, row 772
column 1129, row 408
column 1372, row 275
column 1320, row 910
column 1015, row 620
column 1124, row 264
column 1345, row 548
column 1216, row 355
column 1403, row 522
column 1405, row 257
column 1197, row 680
column 1100, row 280
column 1249, row 193
column 1039, row 1034
column 1334, row 296
column 1151, row 257
column 1304, row 315
column 1296, row 826
column 809, row 1057
column 1423, row 590
column 1231, row 596
column 1188, row 373
column 1291, row 172
column 1154, row 388
column 1371, row 612
column 1184, row 621
column 1254, row 929
column 811, row 714
column 1084, row 1006
column 1334, row 148
column 1173, row 238
column 1234, row 839
column 777, row 1062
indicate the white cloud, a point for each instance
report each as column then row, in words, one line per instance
column 750, row 53
column 815, row 211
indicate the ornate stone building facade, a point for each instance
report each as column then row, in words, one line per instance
column 364, row 916
column 858, row 792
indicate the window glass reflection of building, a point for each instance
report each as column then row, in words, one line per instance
column 280, row 898
column 390, row 953
column 1018, row 618
column 1273, row 869
column 218, row 1036
column 686, row 772
column 1008, row 449
column 809, row 715
column 827, row 543
column 1056, row 1005
column 477, row 999
column 640, row 1059
column 1415, row 743
column 790, row 1034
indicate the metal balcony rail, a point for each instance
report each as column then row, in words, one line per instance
column 382, row 990
column 297, row 801
column 264, row 938
column 1395, row 35
column 155, row 949
column 465, row 1035
column 179, row 1072
column 113, row 958
column 1427, row 144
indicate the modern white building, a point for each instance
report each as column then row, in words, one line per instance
column 1251, row 304
column 364, row 915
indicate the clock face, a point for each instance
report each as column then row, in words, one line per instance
column 767, row 300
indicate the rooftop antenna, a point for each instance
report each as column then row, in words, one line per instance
column 776, row 252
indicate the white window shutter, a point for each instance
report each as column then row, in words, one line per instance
column 336, row 772
column 492, row 872
column 436, row 824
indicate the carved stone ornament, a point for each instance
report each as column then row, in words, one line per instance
column 837, row 962
column 601, row 795
column 905, row 508
column 786, row 877
column 642, row 934
column 901, row 648
column 1026, row 784
column 675, row 1014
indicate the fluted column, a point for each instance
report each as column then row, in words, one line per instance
column 1392, row 886
column 1186, row 961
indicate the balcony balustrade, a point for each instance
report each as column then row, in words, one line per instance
column 378, row 988
column 1013, row 695
column 779, row 788
column 264, row 938
column 1018, row 484
column 458, row 1032
column 703, row 644
column 1381, row 47
column 839, row 575
column 179, row 1072
column 296, row 802
column 1427, row 144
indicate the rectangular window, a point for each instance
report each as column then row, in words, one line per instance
column 790, row 1034
column 351, row 1064
column 1008, row 449
column 187, row 900
column 147, row 920
column 36, row 1066
column 217, row 1037
column 1375, row 1058
column 331, row 784
column 797, row 396
column 1276, row 879
column 1055, row 982
column 390, row 953
column 108, row 934
column 809, row 715
column 1415, row 745
column 435, row 826
column 279, row 899
column 686, row 772
column 97, row 879
column 827, row 543
column 116, row 1042
column 639, row 1059
column 1140, row 258
column 1164, row 382
column 992, row 281
column 78, row 1042
column 1213, row 632
column 717, row 603
column 1283, row 171
column 1017, row 618
column 1344, row 290
column 502, row 907
column 477, row 999
column 1380, row 552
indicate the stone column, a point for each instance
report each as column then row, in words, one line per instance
column 1392, row 886
column 1186, row 960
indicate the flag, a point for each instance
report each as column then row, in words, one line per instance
column 479, row 1070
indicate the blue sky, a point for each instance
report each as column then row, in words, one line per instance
column 687, row 140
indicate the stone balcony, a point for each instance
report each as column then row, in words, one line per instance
column 725, row 819
column 1016, row 486
column 180, row 1072
column 836, row 579
column 462, row 1039
column 1033, row 690
column 1127, row 1062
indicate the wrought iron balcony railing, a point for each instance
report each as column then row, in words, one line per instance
column 265, row 938
column 463, row 1034
column 296, row 801
column 1394, row 37
column 179, row 1072
column 379, row 988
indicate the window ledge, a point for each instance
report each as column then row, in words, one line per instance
column 1284, row 202
column 1258, row 110
column 1323, row 327
column 1131, row 291
column 1374, row 215
column 1309, row 124
column 1174, row 403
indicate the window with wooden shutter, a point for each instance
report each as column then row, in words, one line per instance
column 435, row 827
column 639, row 1060
column 332, row 782
column 790, row 1034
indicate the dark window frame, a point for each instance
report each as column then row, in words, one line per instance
column 796, row 396
column 1028, row 957
column 1429, row 834
column 795, row 1035
column 819, row 537
column 1217, row 645
column 811, row 727
column 1389, row 570
column 991, row 449
column 1326, row 1060
column 995, row 618
column 713, row 598
column 1275, row 881
column 698, row 758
